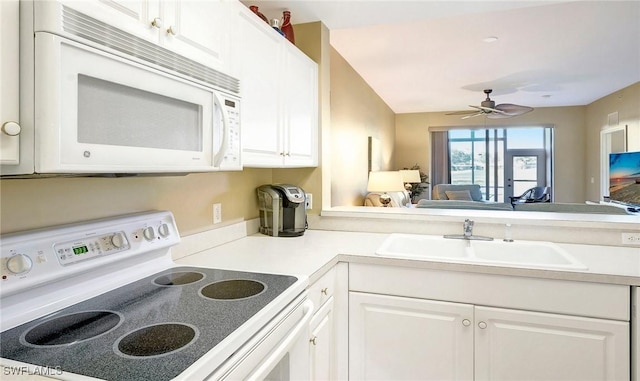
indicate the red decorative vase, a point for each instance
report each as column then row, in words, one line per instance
column 286, row 26
column 254, row 9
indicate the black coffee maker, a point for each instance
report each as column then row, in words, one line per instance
column 282, row 210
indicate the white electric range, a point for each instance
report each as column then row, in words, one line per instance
column 102, row 299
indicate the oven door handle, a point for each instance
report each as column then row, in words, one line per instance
column 263, row 370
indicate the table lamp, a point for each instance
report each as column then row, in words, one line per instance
column 410, row 176
column 385, row 181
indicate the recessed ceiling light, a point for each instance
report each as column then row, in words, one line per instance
column 490, row 39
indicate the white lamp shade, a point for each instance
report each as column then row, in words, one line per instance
column 410, row 175
column 385, row 181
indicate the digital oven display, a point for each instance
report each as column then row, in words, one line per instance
column 80, row 250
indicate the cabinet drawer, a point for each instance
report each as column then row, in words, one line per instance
column 323, row 288
column 545, row 295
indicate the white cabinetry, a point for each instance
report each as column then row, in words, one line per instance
column 9, row 88
column 279, row 96
column 324, row 329
column 322, row 343
column 518, row 345
column 395, row 338
column 198, row 30
column 465, row 339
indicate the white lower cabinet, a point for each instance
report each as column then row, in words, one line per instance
column 484, row 333
column 524, row 345
column 322, row 343
column 394, row 338
column 323, row 340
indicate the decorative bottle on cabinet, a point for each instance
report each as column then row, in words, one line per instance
column 287, row 28
column 254, row 9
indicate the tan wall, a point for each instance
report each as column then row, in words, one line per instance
column 33, row 203
column 357, row 112
column 626, row 102
column 413, row 144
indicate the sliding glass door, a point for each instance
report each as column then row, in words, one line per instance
column 503, row 161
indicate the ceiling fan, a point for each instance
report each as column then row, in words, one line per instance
column 493, row 111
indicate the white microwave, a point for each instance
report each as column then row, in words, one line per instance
column 99, row 100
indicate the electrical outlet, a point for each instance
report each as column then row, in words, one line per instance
column 631, row 239
column 217, row 213
column 309, row 201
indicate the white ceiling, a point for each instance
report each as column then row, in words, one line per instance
column 422, row 56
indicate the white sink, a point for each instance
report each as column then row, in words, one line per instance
column 423, row 246
column 533, row 254
column 525, row 253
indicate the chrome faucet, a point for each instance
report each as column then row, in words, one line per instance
column 467, row 227
column 467, row 233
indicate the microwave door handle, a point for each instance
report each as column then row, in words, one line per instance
column 276, row 355
column 219, row 156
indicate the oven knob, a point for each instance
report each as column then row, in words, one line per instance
column 19, row 264
column 163, row 230
column 118, row 240
column 148, row 233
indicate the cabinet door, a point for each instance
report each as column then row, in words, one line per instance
column 301, row 109
column 198, row 30
column 522, row 345
column 9, row 90
column 322, row 342
column 259, row 53
column 133, row 16
column 399, row 338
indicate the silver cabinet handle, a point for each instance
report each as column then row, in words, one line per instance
column 172, row 30
column 11, row 129
column 466, row 322
column 156, row 22
column 313, row 340
column 324, row 291
column 482, row 325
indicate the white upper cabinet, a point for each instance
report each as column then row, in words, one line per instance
column 279, row 96
column 197, row 30
column 301, row 110
column 9, row 90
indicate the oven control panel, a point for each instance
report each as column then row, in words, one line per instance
column 47, row 255
column 81, row 250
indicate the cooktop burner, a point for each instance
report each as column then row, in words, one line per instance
column 178, row 278
column 71, row 329
column 156, row 340
column 151, row 329
column 233, row 289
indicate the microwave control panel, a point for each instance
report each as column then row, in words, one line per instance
column 232, row 158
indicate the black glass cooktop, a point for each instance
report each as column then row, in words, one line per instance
column 151, row 329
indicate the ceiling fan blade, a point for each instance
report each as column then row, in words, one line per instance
column 474, row 115
column 495, row 115
column 462, row 112
column 513, row 110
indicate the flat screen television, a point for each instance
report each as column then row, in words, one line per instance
column 624, row 178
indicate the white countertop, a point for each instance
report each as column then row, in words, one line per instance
column 317, row 251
